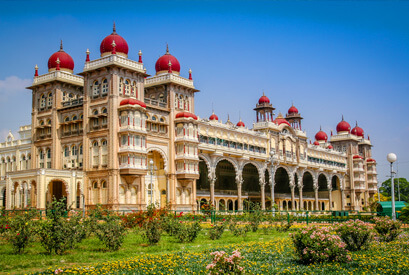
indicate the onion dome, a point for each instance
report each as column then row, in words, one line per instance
column 370, row 160
column 214, row 117
column 61, row 60
column 186, row 115
column 358, row 131
column 263, row 99
column 121, row 47
column 357, row 157
column 132, row 101
column 167, row 63
column 330, row 147
column 316, row 143
column 343, row 126
column 240, row 124
column 292, row 110
column 280, row 120
column 321, row 136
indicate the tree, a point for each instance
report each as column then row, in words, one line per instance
column 403, row 187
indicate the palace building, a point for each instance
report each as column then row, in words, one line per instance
column 116, row 136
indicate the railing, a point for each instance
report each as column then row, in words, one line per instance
column 59, row 75
column 169, row 77
column 72, row 103
column 113, row 59
column 155, row 102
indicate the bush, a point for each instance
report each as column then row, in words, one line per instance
column 355, row 233
column 404, row 214
column 19, row 230
column 387, row 229
column 255, row 216
column 152, row 230
column 314, row 244
column 187, row 232
column 224, row 264
column 216, row 231
column 284, row 226
column 170, row 224
column 111, row 233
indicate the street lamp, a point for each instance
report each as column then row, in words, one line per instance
column 151, row 186
column 391, row 157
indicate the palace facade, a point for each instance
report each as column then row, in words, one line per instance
column 113, row 135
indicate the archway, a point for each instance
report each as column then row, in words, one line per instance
column 225, row 178
column 156, row 179
column 33, row 194
column 3, row 193
column 251, row 183
column 267, row 190
column 222, row 205
column 322, row 183
column 335, row 183
column 78, row 196
column 56, row 190
column 203, row 184
column 282, row 181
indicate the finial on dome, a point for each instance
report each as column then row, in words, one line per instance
column 113, row 47
column 58, row 64
column 356, row 123
column 140, row 56
column 167, row 48
column 368, row 138
column 61, row 48
column 320, row 128
column 331, row 133
column 36, row 70
column 170, row 67
column 114, row 29
column 342, row 118
column 263, row 93
column 87, row 59
column 190, row 74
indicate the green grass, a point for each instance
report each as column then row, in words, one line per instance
column 91, row 251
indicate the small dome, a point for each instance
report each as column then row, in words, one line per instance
column 358, row 131
column 214, row 117
column 240, row 124
column 370, row 160
column 132, row 101
column 321, row 136
column 343, row 126
column 263, row 99
column 316, row 143
column 280, row 120
column 292, row 110
column 330, row 147
column 162, row 64
column 121, row 47
column 357, row 157
column 186, row 115
column 66, row 61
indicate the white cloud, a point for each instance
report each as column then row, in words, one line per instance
column 12, row 85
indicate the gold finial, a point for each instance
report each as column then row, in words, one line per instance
column 140, row 53
column 58, row 60
column 87, row 52
column 170, row 64
column 144, row 69
column 167, row 48
column 36, row 67
column 190, row 70
column 114, row 28
column 113, row 43
column 61, row 48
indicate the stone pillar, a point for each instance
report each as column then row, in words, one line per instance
column 342, row 199
column 316, row 193
column 292, row 186
column 263, row 197
column 239, row 182
column 212, row 183
column 300, row 201
column 272, row 184
column 330, row 198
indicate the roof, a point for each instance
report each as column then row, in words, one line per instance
column 386, row 206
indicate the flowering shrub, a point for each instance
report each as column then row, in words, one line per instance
column 387, row 229
column 170, row 224
column 111, row 233
column 314, row 244
column 224, row 264
column 355, row 233
column 216, row 231
column 187, row 232
column 255, row 216
column 152, row 230
column 19, row 231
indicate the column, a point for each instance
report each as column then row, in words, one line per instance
column 240, row 203
column 300, row 201
column 272, row 184
column 316, row 193
column 342, row 199
column 330, row 198
column 263, row 197
column 212, row 183
column 292, row 186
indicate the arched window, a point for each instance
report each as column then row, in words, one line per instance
column 121, row 86
column 154, row 118
column 104, row 111
column 81, row 116
column 71, row 96
column 42, row 101
column 95, row 89
column 40, row 152
column 104, row 87
column 49, row 153
column 49, row 99
column 80, row 149
column 64, row 96
column 161, row 98
column 95, row 185
column 104, row 184
column 66, row 119
column 66, row 151
column 49, row 122
column 74, row 150
column 74, row 117
column 95, row 112
column 127, row 87
column 95, row 153
column 134, row 91
column 104, row 152
column 42, row 122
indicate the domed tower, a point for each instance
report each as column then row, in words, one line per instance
column 264, row 109
column 294, row 117
column 321, row 137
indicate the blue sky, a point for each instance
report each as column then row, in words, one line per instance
column 330, row 58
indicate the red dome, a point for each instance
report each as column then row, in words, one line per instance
column 281, row 121
column 240, row 124
column 330, row 147
column 186, row 115
column 343, row 126
column 321, row 136
column 316, row 143
column 132, row 101
column 214, row 117
column 162, row 64
column 358, row 131
column 263, row 99
column 357, row 157
column 121, row 45
column 293, row 110
column 370, row 160
column 66, row 61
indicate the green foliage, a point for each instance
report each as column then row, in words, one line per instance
column 285, row 225
column 404, row 214
column 314, row 244
column 111, row 233
column 225, row 264
column 187, row 232
column 254, row 216
column 152, row 230
column 403, row 184
column 170, row 224
column 387, row 229
column 216, row 231
column 19, row 230
column 355, row 233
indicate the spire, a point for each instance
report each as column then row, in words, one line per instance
column 113, row 46
column 356, row 123
column 342, row 118
column 190, row 74
column 61, row 48
column 320, row 128
column 58, row 64
column 87, row 59
column 167, row 48
column 140, row 56
column 114, row 29
column 170, row 67
column 331, row 133
column 36, row 71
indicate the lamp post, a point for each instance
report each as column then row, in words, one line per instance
column 151, row 185
column 391, row 157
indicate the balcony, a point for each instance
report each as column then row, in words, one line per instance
column 73, row 103
column 72, row 133
column 58, row 76
column 155, row 102
column 166, row 78
column 114, row 59
column 98, row 127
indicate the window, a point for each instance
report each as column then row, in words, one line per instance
column 42, row 101
column 80, row 149
column 104, row 184
column 48, row 153
column 74, row 117
column 104, row 111
column 104, row 87
column 64, row 96
column 74, row 150
column 49, row 122
column 134, row 91
column 40, row 153
column 71, row 96
column 95, row 185
column 127, row 87
column 161, row 98
column 66, row 151
column 95, row 89
column 104, row 152
column 95, row 153
column 95, row 112
column 50, row 100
